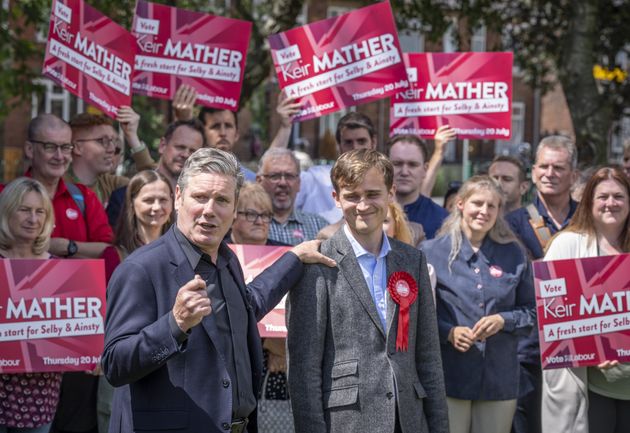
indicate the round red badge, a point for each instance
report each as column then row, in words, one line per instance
column 496, row 271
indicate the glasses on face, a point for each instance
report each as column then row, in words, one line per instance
column 104, row 142
column 276, row 177
column 51, row 148
column 117, row 151
column 252, row 216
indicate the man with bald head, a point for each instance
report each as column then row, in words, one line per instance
column 81, row 228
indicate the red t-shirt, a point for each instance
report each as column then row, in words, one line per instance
column 70, row 223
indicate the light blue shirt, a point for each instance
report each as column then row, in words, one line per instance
column 374, row 271
column 315, row 194
column 249, row 175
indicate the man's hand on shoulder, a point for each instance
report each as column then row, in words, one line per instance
column 191, row 304
column 308, row 252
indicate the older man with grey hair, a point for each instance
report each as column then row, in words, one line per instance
column 553, row 174
column 181, row 339
column 279, row 175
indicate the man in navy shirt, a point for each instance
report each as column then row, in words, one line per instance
column 553, row 174
column 409, row 155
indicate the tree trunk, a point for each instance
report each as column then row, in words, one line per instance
column 591, row 112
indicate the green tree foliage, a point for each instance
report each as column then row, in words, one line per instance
column 20, row 55
column 554, row 41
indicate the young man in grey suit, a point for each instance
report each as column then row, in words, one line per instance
column 363, row 343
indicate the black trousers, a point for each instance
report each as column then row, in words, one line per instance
column 528, row 406
column 76, row 411
column 608, row 415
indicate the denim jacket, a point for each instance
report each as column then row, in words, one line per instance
column 497, row 279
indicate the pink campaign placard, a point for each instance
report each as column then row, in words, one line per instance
column 471, row 92
column 583, row 309
column 177, row 46
column 254, row 259
column 89, row 55
column 51, row 315
column 339, row 62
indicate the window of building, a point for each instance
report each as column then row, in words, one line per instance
column 510, row 147
column 302, row 18
column 449, row 39
column 411, row 39
column 56, row 100
column 335, row 11
column 478, row 40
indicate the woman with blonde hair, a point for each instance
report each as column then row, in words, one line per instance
column 484, row 301
column 28, row 401
column 595, row 399
column 396, row 225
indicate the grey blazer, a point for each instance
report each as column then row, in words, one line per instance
column 345, row 374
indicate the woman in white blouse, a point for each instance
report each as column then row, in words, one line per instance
column 595, row 399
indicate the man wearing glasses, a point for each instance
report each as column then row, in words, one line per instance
column 81, row 228
column 96, row 144
column 279, row 175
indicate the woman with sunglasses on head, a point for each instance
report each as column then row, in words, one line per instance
column 595, row 399
column 484, row 301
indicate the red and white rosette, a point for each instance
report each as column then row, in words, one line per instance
column 404, row 291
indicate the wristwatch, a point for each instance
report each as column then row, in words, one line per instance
column 72, row 248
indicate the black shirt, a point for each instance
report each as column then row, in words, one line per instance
column 229, row 315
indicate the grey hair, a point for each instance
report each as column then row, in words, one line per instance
column 212, row 161
column 45, row 121
column 11, row 199
column 452, row 226
column 275, row 153
column 559, row 142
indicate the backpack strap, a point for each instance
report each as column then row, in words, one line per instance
column 77, row 196
column 542, row 232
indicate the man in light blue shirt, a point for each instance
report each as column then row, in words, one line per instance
column 374, row 271
column 363, row 344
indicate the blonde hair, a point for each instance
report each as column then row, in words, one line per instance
column 254, row 193
column 402, row 232
column 452, row 226
column 10, row 200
